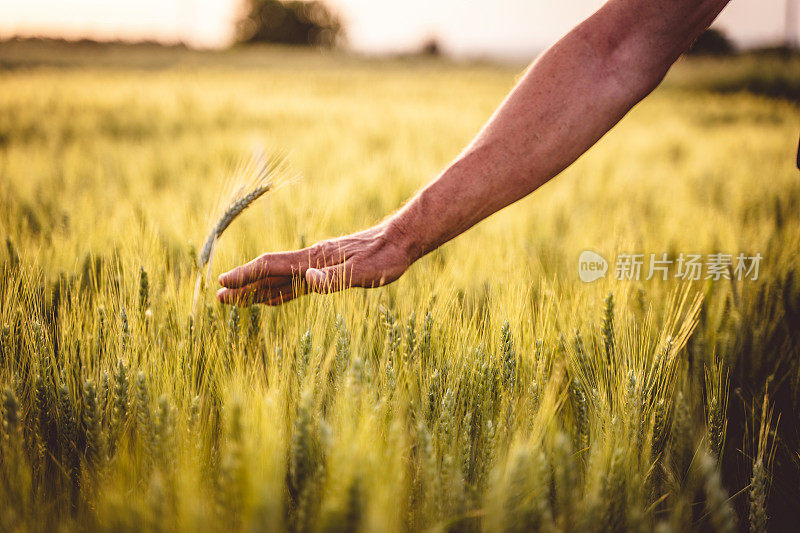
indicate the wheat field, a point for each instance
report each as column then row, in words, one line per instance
column 488, row 389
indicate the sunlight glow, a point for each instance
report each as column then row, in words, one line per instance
column 482, row 27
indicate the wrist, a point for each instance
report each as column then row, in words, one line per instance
column 399, row 230
column 434, row 215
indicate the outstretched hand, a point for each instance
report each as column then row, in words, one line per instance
column 370, row 258
column 567, row 100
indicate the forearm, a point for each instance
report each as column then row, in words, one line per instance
column 569, row 98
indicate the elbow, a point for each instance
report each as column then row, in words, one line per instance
column 632, row 61
column 636, row 71
column 638, row 42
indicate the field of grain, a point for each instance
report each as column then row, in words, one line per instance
column 488, row 389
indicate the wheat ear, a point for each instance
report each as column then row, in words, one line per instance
column 230, row 214
column 262, row 174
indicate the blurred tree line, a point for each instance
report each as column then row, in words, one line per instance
column 712, row 42
column 297, row 22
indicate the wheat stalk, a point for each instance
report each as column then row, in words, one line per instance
column 508, row 357
column 718, row 505
column 230, row 214
column 261, row 175
column 95, row 450
column 257, row 176
column 759, row 484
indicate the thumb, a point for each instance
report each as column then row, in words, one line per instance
column 315, row 279
column 327, row 279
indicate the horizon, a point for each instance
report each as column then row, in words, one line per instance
column 503, row 28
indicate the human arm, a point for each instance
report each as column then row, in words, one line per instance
column 567, row 100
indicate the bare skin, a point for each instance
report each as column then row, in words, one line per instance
column 568, row 99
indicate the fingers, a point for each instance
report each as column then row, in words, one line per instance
column 269, row 278
column 277, row 264
column 330, row 279
column 261, row 291
column 274, row 264
column 276, row 291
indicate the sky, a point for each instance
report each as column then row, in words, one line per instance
column 463, row 27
